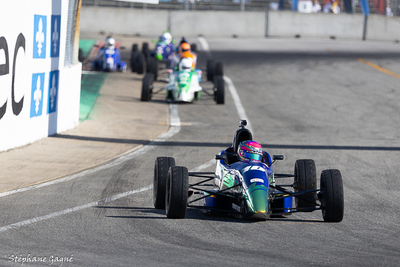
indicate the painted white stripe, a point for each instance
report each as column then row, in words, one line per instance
column 203, row 166
column 174, row 129
column 92, row 204
column 204, row 44
column 78, row 208
column 236, row 99
column 231, row 87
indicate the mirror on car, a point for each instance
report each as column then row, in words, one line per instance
column 219, row 157
column 277, row 157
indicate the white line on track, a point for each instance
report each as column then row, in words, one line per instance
column 175, row 124
column 175, row 127
column 63, row 212
column 231, row 87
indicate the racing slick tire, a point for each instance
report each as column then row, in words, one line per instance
column 161, row 167
column 140, row 64
column 152, row 66
column 193, row 47
column 81, row 58
column 147, row 86
column 210, row 70
column 220, row 90
column 218, row 70
column 176, row 194
column 134, row 48
column 145, row 49
column 332, row 202
column 134, row 56
column 305, row 179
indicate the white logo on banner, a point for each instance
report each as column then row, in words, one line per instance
column 55, row 37
column 40, row 37
column 37, row 95
column 53, row 92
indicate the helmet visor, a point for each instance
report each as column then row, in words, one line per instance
column 251, row 155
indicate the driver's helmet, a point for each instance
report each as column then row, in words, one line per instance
column 109, row 43
column 185, row 64
column 166, row 37
column 184, row 47
column 250, row 151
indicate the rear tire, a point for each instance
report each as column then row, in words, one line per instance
column 134, row 58
column 140, row 64
column 210, row 70
column 152, row 66
column 193, row 47
column 333, row 196
column 305, row 179
column 145, row 49
column 218, row 69
column 220, row 90
column 147, row 86
column 161, row 167
column 176, row 194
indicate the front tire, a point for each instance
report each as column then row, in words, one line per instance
column 147, row 86
column 161, row 167
column 176, row 194
column 305, row 179
column 333, row 196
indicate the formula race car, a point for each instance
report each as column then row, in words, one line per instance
column 153, row 60
column 184, row 84
column 247, row 188
column 108, row 57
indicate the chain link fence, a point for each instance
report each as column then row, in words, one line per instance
column 382, row 7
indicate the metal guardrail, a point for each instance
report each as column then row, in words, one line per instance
column 375, row 6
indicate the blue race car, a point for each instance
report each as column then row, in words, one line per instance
column 153, row 60
column 247, row 188
column 108, row 57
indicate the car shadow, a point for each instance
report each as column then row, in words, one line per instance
column 194, row 214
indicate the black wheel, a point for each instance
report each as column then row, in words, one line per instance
column 152, row 66
column 196, row 95
column 134, row 48
column 210, row 70
column 220, row 90
column 193, row 47
column 80, row 55
column 218, row 69
column 305, row 179
column 141, row 64
column 161, row 168
column 133, row 61
column 147, row 86
column 332, row 196
column 145, row 49
column 176, row 193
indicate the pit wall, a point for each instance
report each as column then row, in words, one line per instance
column 39, row 95
column 243, row 24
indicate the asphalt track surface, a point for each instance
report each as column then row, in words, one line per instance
column 304, row 99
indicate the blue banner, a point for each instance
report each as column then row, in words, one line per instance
column 294, row 5
column 365, row 7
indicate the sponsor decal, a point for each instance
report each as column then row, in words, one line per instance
column 253, row 168
column 39, row 36
column 55, row 36
column 37, row 94
column 235, row 207
column 256, row 180
column 53, row 92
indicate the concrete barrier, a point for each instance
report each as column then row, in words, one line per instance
column 242, row 24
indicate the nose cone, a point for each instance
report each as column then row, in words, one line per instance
column 257, row 201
